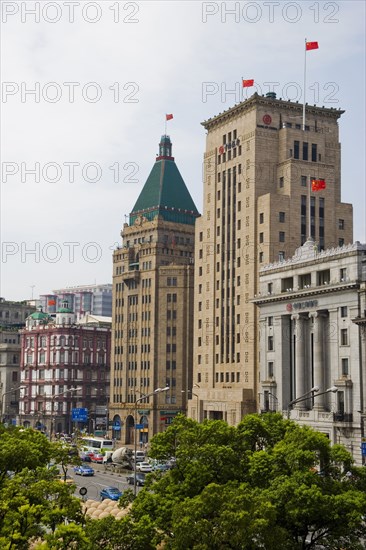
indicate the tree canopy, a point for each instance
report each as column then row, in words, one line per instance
column 266, row 483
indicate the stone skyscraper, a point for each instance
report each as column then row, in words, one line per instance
column 153, row 304
column 258, row 163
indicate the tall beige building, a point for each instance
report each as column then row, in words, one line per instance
column 152, row 327
column 258, row 164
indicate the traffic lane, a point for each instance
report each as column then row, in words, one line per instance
column 94, row 484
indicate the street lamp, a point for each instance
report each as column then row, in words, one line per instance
column 266, row 392
column 310, row 393
column 158, row 390
column 196, row 395
column 3, row 394
column 52, row 401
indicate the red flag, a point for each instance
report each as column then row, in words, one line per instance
column 51, row 302
column 248, row 83
column 318, row 185
column 168, row 117
column 312, row 46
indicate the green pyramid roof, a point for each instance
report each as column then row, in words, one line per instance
column 40, row 315
column 165, row 192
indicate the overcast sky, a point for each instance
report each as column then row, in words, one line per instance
column 104, row 74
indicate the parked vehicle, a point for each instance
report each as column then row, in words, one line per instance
column 144, row 467
column 140, row 479
column 66, row 479
column 84, row 471
column 140, row 456
column 110, row 492
column 84, row 457
column 96, row 457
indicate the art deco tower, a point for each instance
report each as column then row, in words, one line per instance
column 258, row 161
column 153, row 304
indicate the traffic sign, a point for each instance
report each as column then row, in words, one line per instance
column 363, row 448
column 139, row 427
column 79, row 415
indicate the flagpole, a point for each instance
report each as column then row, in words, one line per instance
column 165, row 125
column 309, row 201
column 303, row 107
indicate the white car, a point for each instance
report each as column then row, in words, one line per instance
column 144, row 467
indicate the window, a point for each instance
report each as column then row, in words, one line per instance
column 281, row 256
column 323, row 277
column 281, row 236
column 340, row 242
column 344, row 311
column 261, row 217
column 313, row 152
column 270, row 321
column 296, row 149
column 287, row 284
column 305, row 151
column 261, row 256
column 344, row 366
column 270, row 288
column 281, row 217
column 344, row 337
column 304, row 181
column 270, row 369
column 281, row 183
column 261, row 237
column 305, row 280
column 343, row 274
column 270, row 343
column 340, row 224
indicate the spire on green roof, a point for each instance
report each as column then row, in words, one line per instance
column 165, row 192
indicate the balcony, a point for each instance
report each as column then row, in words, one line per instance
column 342, row 417
column 131, row 275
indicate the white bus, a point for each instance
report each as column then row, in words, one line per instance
column 96, row 444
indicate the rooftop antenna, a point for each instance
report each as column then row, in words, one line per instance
column 32, row 287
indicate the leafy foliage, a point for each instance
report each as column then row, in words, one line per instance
column 267, row 483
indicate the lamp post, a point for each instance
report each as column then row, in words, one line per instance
column 264, row 395
column 310, row 393
column 3, row 394
column 196, row 395
column 158, row 390
column 52, row 402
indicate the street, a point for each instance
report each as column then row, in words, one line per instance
column 101, row 479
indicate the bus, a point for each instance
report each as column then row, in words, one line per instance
column 96, row 444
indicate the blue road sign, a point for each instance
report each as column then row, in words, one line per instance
column 363, row 448
column 139, row 427
column 79, row 415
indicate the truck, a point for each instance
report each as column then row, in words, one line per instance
column 121, row 458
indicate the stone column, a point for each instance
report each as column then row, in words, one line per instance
column 299, row 358
column 318, row 358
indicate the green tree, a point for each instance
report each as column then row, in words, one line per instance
column 33, row 501
column 266, row 483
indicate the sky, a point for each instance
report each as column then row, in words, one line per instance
column 85, row 90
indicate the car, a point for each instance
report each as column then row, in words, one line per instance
column 161, row 467
column 84, row 457
column 144, row 467
column 140, row 479
column 140, row 456
column 97, row 457
column 84, row 470
column 110, row 492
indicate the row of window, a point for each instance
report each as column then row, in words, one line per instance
column 344, row 367
column 322, row 277
column 344, row 339
column 234, row 358
column 64, row 357
column 65, row 340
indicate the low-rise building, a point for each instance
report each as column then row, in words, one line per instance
column 64, row 366
column 12, row 318
column 312, row 334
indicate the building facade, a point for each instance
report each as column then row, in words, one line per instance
column 64, row 366
column 258, row 163
column 94, row 299
column 312, row 334
column 12, row 319
column 153, row 288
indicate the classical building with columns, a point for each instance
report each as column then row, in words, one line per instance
column 312, row 333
